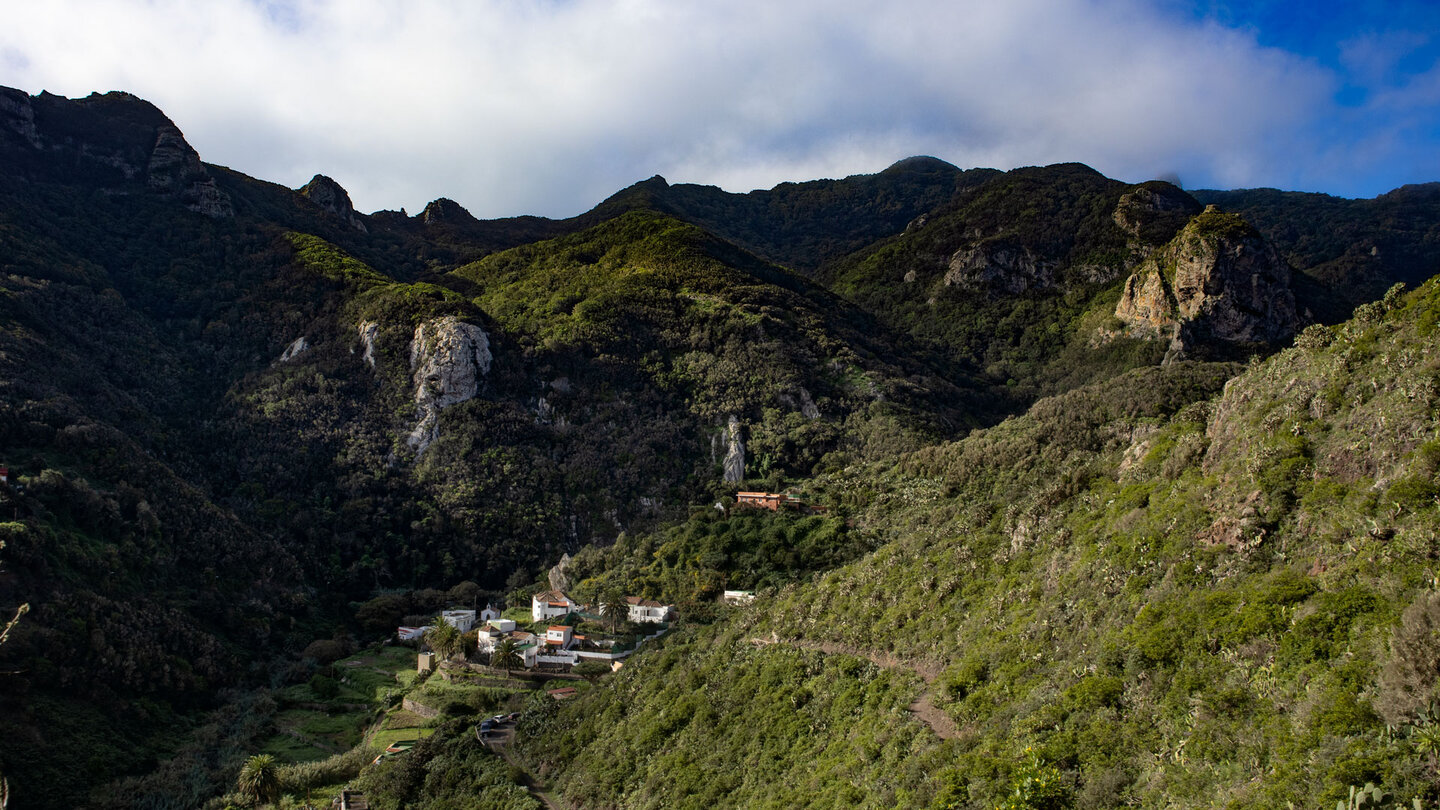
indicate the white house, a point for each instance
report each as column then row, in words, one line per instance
column 525, row 643
column 412, row 633
column 461, row 620
column 559, row 636
column 738, row 597
column 503, row 625
column 647, row 610
column 490, row 612
column 551, row 604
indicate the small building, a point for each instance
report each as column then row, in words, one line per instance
column 647, row 610
column 775, row 501
column 562, row 693
column 559, row 635
column 526, row 644
column 550, row 604
column 4, row 475
column 490, row 613
column 502, row 625
column 412, row 633
column 737, row 597
column 461, row 620
column 425, row 662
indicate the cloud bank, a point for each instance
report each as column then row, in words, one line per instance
column 547, row 106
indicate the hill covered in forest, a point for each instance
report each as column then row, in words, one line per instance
column 234, row 413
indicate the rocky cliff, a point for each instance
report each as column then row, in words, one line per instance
column 448, row 359
column 115, row 140
column 332, row 197
column 1217, row 280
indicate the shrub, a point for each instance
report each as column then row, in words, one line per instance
column 1408, row 681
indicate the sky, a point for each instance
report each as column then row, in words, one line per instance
column 548, row 106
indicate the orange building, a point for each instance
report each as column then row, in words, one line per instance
column 775, row 501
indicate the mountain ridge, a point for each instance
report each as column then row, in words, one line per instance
column 234, row 412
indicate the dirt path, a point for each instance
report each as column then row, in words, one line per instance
column 923, row 707
column 499, row 742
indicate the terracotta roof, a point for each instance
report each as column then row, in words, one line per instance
column 551, row 596
column 559, row 627
column 638, row 602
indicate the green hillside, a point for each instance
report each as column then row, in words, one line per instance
column 1150, row 592
column 250, row 430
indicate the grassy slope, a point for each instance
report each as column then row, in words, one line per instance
column 1176, row 604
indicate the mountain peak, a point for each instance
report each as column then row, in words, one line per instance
column 920, row 164
column 332, row 197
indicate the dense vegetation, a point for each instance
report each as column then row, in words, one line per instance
column 208, row 384
column 1014, row 277
column 1155, row 590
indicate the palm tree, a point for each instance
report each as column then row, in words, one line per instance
column 260, row 779
column 616, row 609
column 507, row 655
column 444, row 639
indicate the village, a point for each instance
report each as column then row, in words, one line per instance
column 489, row 667
column 557, row 634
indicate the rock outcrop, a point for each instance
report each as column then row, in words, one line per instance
column 1154, row 212
column 446, row 212
column 332, row 197
column 114, row 141
column 1001, row 267
column 17, row 114
column 368, row 332
column 296, row 348
column 448, row 360
column 734, row 463
column 559, row 574
column 1217, row 280
column 175, row 170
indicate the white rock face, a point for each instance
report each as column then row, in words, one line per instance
column 368, row 331
column 734, row 463
column 448, row 359
column 298, row 347
column 807, row 406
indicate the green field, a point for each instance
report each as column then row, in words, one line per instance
column 312, row 727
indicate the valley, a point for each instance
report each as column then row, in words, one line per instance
column 1086, row 493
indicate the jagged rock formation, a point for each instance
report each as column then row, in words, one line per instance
column 1152, row 212
column 115, row 140
column 18, row 115
column 175, row 169
column 999, row 266
column 368, row 331
column 1217, row 280
column 332, row 197
column 802, row 402
column 558, row 576
column 734, row 463
column 448, row 360
column 445, row 211
column 296, row 348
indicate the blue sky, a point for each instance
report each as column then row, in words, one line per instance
column 548, row 106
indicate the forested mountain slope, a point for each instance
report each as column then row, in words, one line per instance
column 231, row 411
column 1155, row 591
column 230, row 408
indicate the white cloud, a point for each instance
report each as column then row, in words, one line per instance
column 536, row 106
